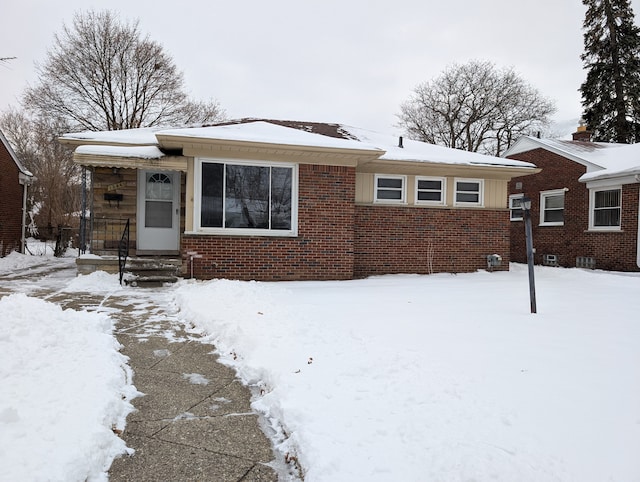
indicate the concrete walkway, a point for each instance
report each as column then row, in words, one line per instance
column 194, row 421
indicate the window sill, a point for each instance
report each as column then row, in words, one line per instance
column 605, row 230
column 550, row 224
column 243, row 233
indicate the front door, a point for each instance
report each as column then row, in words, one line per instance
column 158, row 211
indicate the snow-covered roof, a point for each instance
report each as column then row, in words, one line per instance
column 145, row 136
column 619, row 162
column 268, row 133
column 602, row 160
column 23, row 170
column 287, row 133
column 137, row 152
column 417, row 151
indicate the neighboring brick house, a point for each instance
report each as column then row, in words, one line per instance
column 584, row 202
column 14, row 179
column 283, row 200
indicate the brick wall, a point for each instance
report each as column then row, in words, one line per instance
column 421, row 240
column 10, row 204
column 323, row 248
column 612, row 250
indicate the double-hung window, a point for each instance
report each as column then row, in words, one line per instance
column 430, row 190
column 605, row 209
column 237, row 197
column 469, row 192
column 515, row 207
column 552, row 208
column 390, row 189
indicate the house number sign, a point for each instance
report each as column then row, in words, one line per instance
column 113, row 187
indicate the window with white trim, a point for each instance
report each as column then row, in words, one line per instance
column 430, row 190
column 605, row 209
column 390, row 189
column 552, row 208
column 469, row 192
column 515, row 207
column 237, row 197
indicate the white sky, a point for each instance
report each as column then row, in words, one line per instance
column 351, row 62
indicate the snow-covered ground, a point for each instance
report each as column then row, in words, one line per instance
column 64, row 387
column 437, row 378
column 442, row 377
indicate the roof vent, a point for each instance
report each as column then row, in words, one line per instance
column 400, row 142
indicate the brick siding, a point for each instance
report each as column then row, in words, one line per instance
column 10, row 204
column 612, row 250
column 322, row 250
column 339, row 240
column 393, row 239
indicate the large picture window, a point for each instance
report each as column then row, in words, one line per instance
column 248, row 198
column 606, row 209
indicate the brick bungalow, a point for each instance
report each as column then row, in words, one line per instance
column 284, row 200
column 14, row 179
column 585, row 202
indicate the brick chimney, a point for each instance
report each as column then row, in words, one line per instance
column 582, row 134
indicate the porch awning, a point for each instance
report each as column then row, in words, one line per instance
column 128, row 157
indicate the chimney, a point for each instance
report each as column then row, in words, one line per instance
column 400, row 142
column 582, row 134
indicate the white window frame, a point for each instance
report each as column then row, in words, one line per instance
column 480, row 183
column 543, row 202
column 442, row 191
column 197, row 194
column 592, row 203
column 403, row 189
column 513, row 208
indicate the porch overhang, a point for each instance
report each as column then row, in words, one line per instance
column 128, row 158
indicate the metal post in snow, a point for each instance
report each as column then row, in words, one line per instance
column 83, row 215
column 526, row 209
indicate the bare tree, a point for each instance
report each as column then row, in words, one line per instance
column 54, row 197
column 475, row 107
column 102, row 74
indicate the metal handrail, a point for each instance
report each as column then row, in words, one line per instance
column 123, row 251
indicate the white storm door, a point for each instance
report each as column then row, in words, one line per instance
column 158, row 210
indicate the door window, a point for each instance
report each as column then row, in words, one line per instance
column 159, row 201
